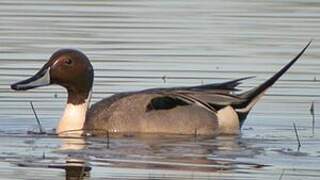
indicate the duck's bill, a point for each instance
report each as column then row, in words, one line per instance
column 42, row 78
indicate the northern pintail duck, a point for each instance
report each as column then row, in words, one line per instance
column 207, row 109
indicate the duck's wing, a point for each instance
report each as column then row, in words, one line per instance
column 211, row 96
column 225, row 86
column 212, row 101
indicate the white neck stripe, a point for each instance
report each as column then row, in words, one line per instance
column 73, row 118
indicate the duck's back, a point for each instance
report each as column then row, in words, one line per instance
column 185, row 110
column 150, row 113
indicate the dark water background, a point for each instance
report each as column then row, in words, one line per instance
column 132, row 45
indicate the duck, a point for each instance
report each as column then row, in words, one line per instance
column 209, row 109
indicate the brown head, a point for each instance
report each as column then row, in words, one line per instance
column 66, row 67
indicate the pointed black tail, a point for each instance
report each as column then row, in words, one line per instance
column 251, row 97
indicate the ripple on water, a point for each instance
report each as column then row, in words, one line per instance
column 135, row 44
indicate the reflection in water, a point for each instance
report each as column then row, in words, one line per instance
column 73, row 143
column 142, row 157
column 76, row 166
column 156, row 152
column 183, row 153
column 77, row 169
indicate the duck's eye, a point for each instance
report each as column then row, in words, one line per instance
column 68, row 61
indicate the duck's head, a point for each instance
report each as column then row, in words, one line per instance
column 66, row 67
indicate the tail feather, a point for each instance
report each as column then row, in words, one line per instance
column 252, row 96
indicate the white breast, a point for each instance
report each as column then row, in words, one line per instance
column 73, row 119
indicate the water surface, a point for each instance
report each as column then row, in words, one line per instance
column 132, row 46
